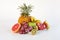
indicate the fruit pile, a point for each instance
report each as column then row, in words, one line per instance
column 28, row 24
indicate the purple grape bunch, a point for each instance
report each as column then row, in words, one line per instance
column 25, row 28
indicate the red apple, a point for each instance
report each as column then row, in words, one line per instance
column 41, row 26
column 46, row 25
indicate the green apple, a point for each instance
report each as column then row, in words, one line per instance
column 33, row 24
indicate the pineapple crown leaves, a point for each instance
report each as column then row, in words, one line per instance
column 26, row 9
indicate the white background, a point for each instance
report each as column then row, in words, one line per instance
column 42, row 9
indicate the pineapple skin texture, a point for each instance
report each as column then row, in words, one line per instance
column 24, row 19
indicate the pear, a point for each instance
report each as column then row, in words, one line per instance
column 33, row 24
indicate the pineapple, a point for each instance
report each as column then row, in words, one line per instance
column 25, row 10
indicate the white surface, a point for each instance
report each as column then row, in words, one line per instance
column 43, row 9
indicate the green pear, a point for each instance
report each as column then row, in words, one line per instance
column 33, row 24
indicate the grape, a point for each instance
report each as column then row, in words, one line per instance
column 20, row 32
column 25, row 26
column 30, row 28
column 27, row 30
column 24, row 32
column 22, row 28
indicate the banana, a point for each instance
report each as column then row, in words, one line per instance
column 32, row 19
column 38, row 21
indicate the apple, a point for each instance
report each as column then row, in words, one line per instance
column 41, row 26
column 46, row 24
column 38, row 25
